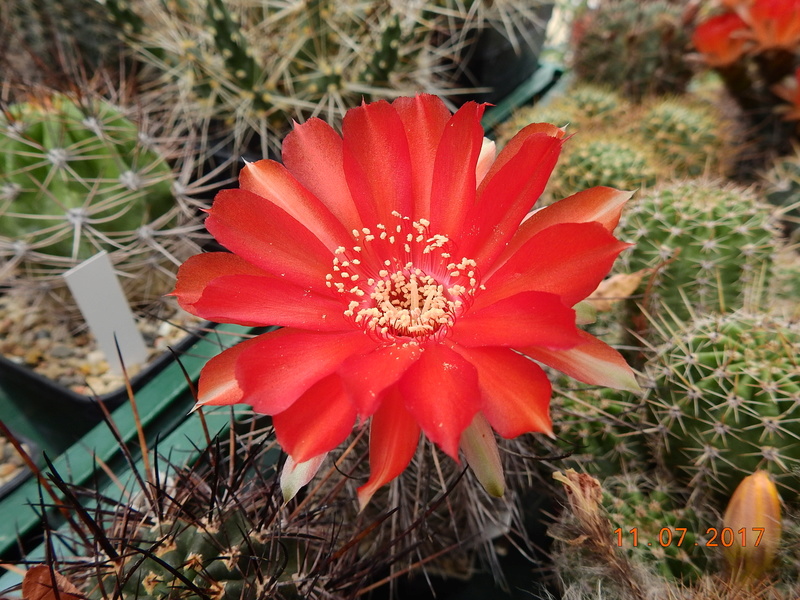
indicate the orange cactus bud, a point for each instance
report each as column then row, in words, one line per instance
column 752, row 525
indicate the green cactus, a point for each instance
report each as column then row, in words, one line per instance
column 225, row 560
column 581, row 106
column 631, row 534
column 52, row 41
column 666, row 529
column 709, row 243
column 636, row 47
column 604, row 158
column 781, row 186
column 726, row 401
column 603, row 428
column 688, row 135
column 80, row 177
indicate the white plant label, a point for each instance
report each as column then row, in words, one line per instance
column 105, row 309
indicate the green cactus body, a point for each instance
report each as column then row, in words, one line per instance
column 728, row 401
column 176, row 559
column 637, row 47
column 604, row 429
column 667, row 532
column 709, row 244
column 604, row 158
column 687, row 135
column 582, row 106
column 77, row 181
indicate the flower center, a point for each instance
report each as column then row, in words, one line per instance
column 402, row 282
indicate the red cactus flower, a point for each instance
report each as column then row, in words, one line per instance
column 775, row 23
column 789, row 91
column 409, row 288
column 721, row 39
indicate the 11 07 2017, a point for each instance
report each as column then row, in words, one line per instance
column 677, row 536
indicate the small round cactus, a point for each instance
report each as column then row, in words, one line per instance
column 604, row 158
column 581, row 106
column 727, row 401
column 603, row 428
column 637, row 47
column 709, row 244
column 688, row 135
column 666, row 529
column 80, row 177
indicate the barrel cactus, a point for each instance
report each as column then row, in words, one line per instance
column 690, row 136
column 709, row 244
column 632, row 536
column 581, row 106
column 603, row 428
column 605, row 158
column 726, row 402
column 80, row 177
column 637, row 47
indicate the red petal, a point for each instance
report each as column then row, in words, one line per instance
column 454, row 176
column 313, row 154
column 593, row 362
column 505, row 197
column 201, row 269
column 268, row 237
column 269, row 300
column 528, row 318
column 358, row 373
column 513, row 146
column 601, row 204
column 569, row 260
column 272, row 181
column 317, row 422
column 441, row 393
column 218, row 384
column 393, row 440
column 424, row 118
column 515, row 392
column 377, row 162
column 285, row 363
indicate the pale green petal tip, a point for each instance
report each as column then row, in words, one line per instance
column 295, row 476
column 482, row 455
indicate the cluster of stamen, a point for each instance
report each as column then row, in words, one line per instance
column 402, row 281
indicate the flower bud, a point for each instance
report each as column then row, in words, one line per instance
column 753, row 523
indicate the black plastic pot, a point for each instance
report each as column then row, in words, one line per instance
column 492, row 61
column 60, row 416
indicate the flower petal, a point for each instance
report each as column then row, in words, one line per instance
column 601, row 204
column 267, row 236
column 359, row 373
column 441, row 393
column 506, row 194
column 313, row 154
column 568, row 259
column 317, row 422
column 424, row 118
column 294, row 475
column 515, row 392
column 277, row 370
column 201, row 269
column 269, row 300
column 393, row 440
column 377, row 162
column 454, row 183
column 271, row 180
column 528, row 318
column 218, row 385
column 593, row 362
column 483, row 457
